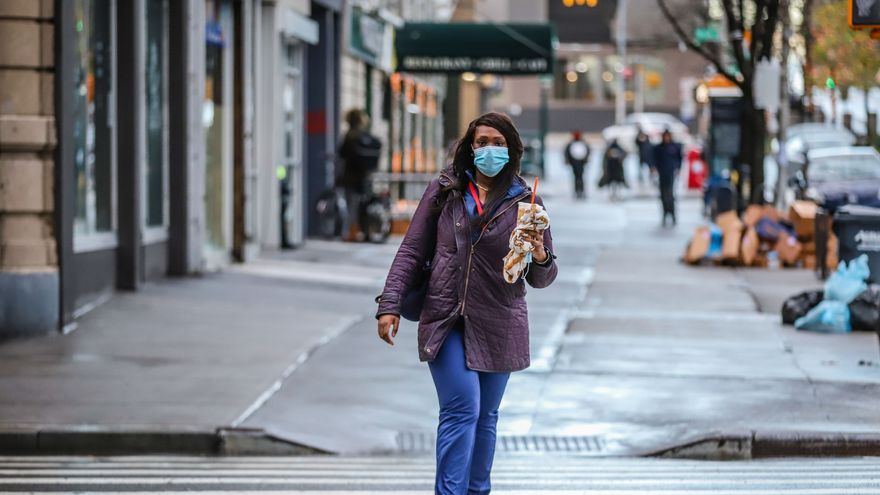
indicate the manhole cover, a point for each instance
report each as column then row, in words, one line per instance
column 413, row 441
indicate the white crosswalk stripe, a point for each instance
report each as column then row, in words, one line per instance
column 512, row 475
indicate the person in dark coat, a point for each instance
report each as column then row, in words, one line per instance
column 359, row 153
column 612, row 169
column 474, row 325
column 646, row 153
column 577, row 155
column 667, row 163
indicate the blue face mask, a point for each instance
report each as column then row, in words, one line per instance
column 491, row 159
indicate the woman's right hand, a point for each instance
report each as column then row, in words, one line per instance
column 388, row 325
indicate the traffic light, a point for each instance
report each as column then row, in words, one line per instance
column 829, row 83
column 865, row 14
column 580, row 3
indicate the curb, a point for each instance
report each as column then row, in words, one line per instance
column 92, row 441
column 258, row 442
column 760, row 445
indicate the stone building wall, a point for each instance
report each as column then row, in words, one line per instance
column 28, row 255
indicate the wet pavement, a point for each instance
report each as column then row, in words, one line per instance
column 632, row 351
column 631, row 348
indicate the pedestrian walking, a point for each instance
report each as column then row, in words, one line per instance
column 646, row 153
column 577, row 155
column 359, row 153
column 612, row 169
column 667, row 163
column 473, row 325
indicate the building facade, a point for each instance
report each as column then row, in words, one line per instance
column 147, row 138
column 659, row 74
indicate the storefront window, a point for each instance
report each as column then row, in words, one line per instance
column 592, row 78
column 155, row 172
column 582, row 78
column 93, row 117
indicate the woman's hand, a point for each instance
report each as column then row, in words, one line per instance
column 388, row 325
column 536, row 238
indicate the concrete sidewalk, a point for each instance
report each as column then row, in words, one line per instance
column 633, row 353
column 169, row 367
column 665, row 354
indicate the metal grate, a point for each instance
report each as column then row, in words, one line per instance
column 423, row 442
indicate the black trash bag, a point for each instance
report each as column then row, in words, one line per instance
column 864, row 310
column 798, row 305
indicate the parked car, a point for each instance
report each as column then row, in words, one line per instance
column 802, row 138
column 652, row 123
column 837, row 176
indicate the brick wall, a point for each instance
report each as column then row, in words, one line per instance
column 27, row 136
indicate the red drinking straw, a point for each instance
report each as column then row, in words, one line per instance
column 534, row 189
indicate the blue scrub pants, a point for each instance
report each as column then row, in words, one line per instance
column 468, row 414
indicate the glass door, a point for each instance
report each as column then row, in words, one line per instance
column 155, row 179
column 290, row 171
column 94, row 216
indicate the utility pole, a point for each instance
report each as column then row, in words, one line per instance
column 620, row 34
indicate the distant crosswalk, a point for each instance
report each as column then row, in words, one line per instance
column 414, row 475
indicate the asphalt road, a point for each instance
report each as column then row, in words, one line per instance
column 414, row 475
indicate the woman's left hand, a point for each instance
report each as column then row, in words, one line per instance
column 536, row 238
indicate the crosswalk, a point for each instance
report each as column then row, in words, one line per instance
column 512, row 475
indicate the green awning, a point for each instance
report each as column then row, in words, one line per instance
column 480, row 48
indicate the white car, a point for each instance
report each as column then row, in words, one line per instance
column 653, row 124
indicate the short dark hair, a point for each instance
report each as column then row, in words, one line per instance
column 355, row 118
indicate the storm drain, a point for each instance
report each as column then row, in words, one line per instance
column 423, row 442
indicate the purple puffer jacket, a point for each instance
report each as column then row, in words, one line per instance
column 467, row 281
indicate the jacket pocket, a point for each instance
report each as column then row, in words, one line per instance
column 516, row 291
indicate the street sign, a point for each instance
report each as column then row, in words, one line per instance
column 864, row 14
column 766, row 85
column 706, row 34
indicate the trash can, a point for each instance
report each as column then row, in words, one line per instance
column 858, row 232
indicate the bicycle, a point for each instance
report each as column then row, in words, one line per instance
column 374, row 214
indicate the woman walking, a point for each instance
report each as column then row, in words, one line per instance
column 612, row 169
column 473, row 325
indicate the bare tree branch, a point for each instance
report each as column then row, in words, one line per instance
column 691, row 44
column 770, row 29
column 757, row 28
column 736, row 32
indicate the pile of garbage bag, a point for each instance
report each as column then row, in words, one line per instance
column 846, row 303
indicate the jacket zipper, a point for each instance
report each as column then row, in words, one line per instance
column 467, row 275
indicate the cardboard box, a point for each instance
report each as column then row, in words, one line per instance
column 699, row 245
column 808, row 261
column 809, row 247
column 730, row 244
column 729, row 221
column 831, row 259
column 752, row 214
column 803, row 217
column 788, row 248
column 750, row 246
column 761, row 261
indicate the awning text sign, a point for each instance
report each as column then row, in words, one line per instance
column 482, row 48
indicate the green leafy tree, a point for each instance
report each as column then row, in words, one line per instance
column 751, row 26
column 849, row 57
